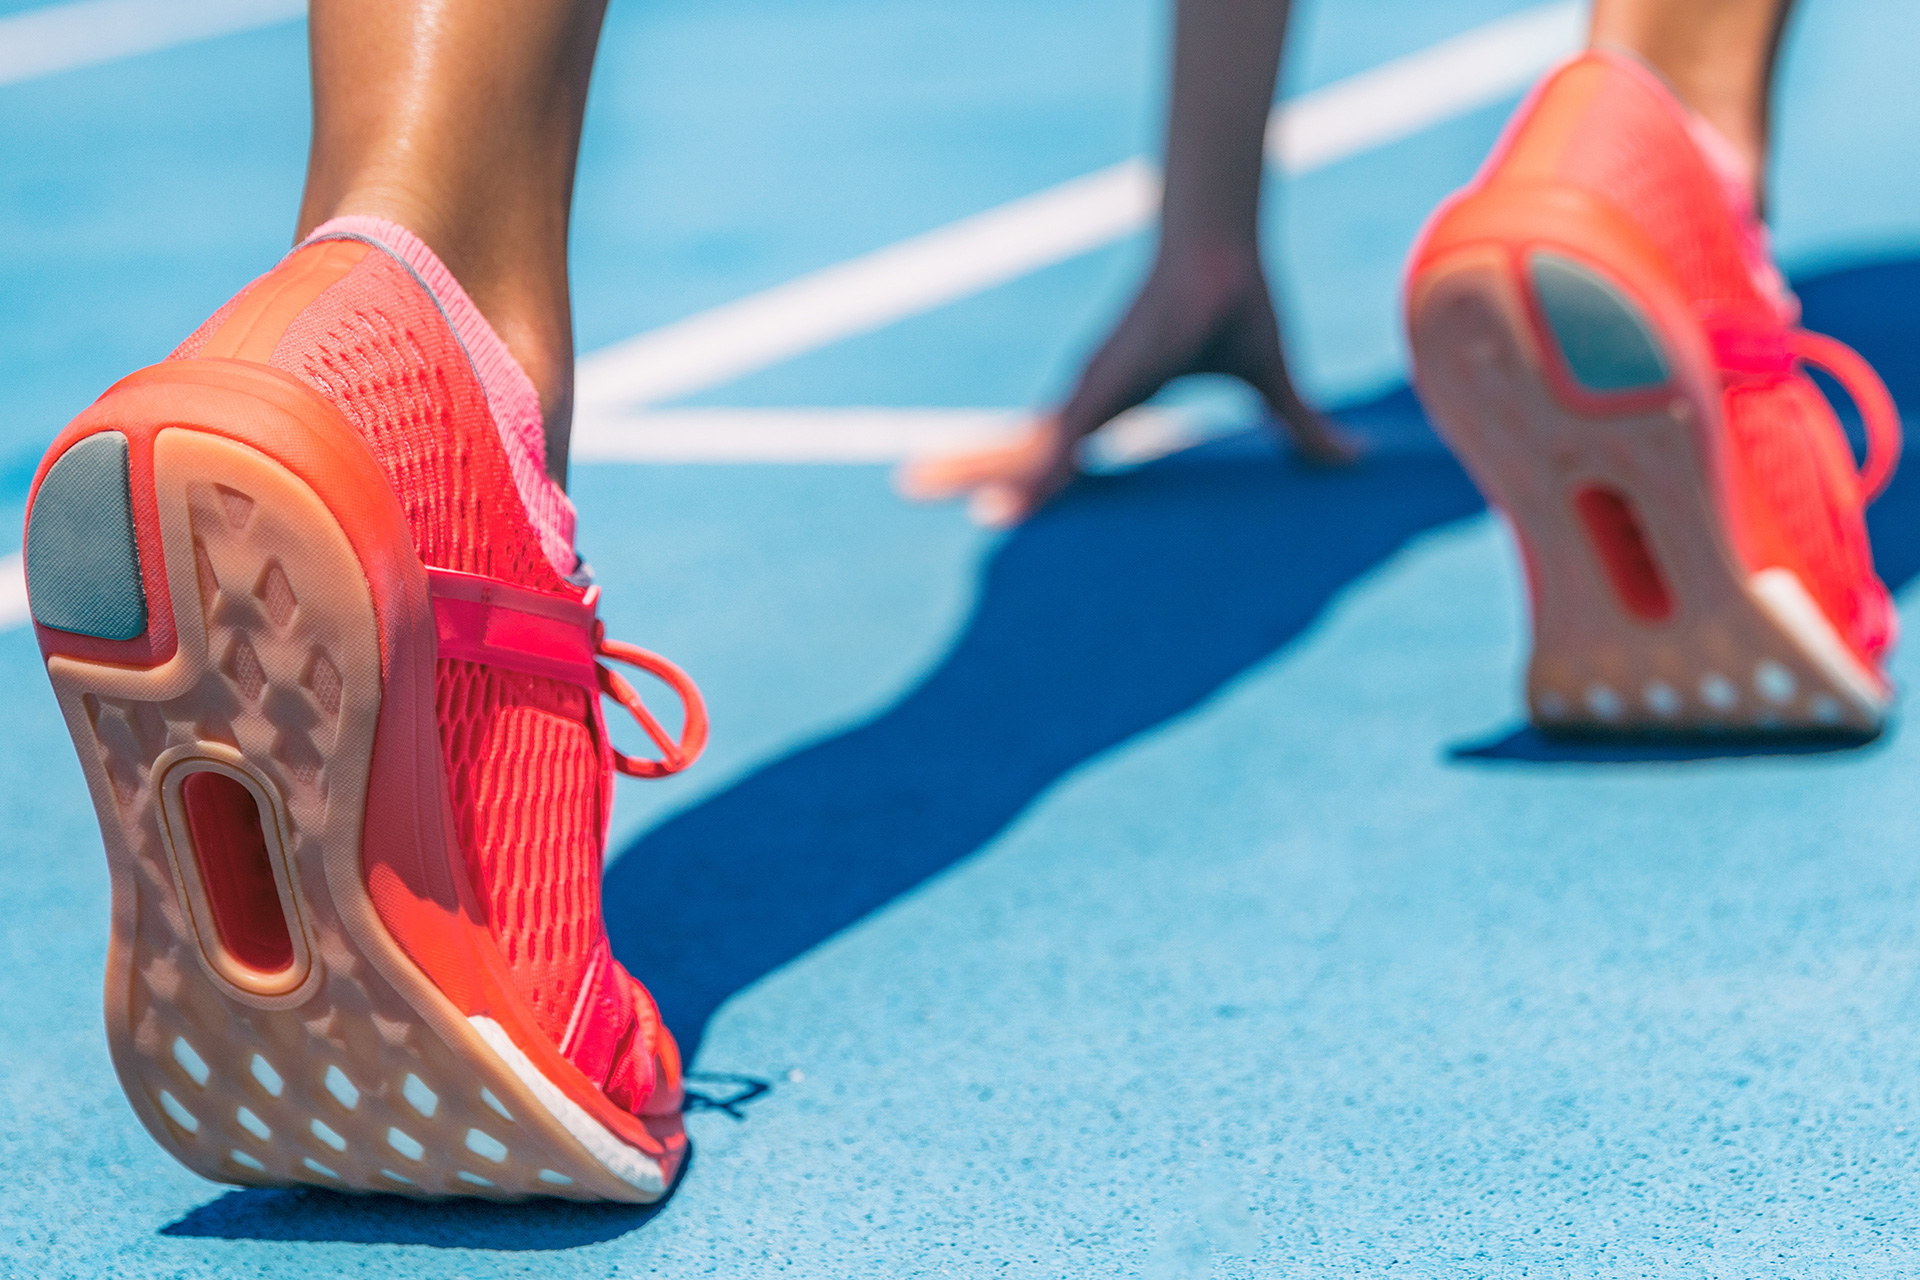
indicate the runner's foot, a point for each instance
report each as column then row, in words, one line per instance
column 311, row 609
column 1599, row 332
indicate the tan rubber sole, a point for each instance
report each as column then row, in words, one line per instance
column 350, row 1071
column 1738, row 651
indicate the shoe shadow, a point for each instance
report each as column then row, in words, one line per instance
column 1128, row 602
column 1527, row 745
column 1875, row 309
column 317, row 1216
column 1124, row 605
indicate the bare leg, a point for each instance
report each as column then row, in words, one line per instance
column 1717, row 54
column 461, row 122
column 1205, row 307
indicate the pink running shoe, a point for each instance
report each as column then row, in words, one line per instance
column 1600, row 334
column 312, row 612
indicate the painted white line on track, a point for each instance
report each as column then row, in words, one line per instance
column 871, row 291
column 85, row 33
column 1368, row 110
column 612, row 424
column 862, row 435
column 13, row 591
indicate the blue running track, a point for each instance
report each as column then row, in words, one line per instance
column 1167, row 888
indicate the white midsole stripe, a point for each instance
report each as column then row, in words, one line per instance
column 622, row 1161
column 1784, row 597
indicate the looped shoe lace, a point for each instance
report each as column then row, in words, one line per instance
column 676, row 754
column 1869, row 394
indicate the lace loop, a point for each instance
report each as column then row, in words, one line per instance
column 674, row 755
column 1877, row 410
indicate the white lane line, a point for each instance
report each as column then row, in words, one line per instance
column 13, row 591
column 1367, row 110
column 84, row 33
column 865, row 435
column 871, row 291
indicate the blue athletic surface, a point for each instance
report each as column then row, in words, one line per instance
column 1167, row 888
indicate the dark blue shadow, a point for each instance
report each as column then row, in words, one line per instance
column 1125, row 604
column 1529, row 746
column 1875, row 309
column 314, row 1215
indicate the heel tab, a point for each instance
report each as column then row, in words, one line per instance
column 260, row 315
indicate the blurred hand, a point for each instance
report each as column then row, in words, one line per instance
column 1204, row 313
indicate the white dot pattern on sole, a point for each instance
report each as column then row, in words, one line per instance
column 343, row 1090
column 179, row 1114
column 310, row 1163
column 499, row 1107
column 405, row 1143
column 269, row 1078
column 482, row 1143
column 253, row 1124
column 419, row 1097
column 190, row 1062
column 475, row 1179
column 1827, row 709
column 1662, row 698
column 1774, row 682
column 1718, row 692
column 1603, row 702
column 321, row 1131
column 556, row 1179
column 397, row 1177
column 246, row 1161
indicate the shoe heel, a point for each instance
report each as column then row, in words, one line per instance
column 83, row 562
column 1605, row 343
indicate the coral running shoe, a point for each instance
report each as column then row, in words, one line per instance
column 1600, row 334
column 312, row 612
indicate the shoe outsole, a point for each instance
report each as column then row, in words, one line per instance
column 1645, row 619
column 347, row 1068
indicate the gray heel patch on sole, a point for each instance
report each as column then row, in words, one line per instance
column 83, row 565
column 1608, row 345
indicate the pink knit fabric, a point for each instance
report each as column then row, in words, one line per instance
column 511, row 398
column 1737, row 181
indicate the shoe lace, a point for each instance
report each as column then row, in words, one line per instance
column 675, row 754
column 1749, row 349
column 1869, row 395
column 541, row 633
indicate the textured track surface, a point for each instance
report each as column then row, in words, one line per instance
column 1166, row 889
